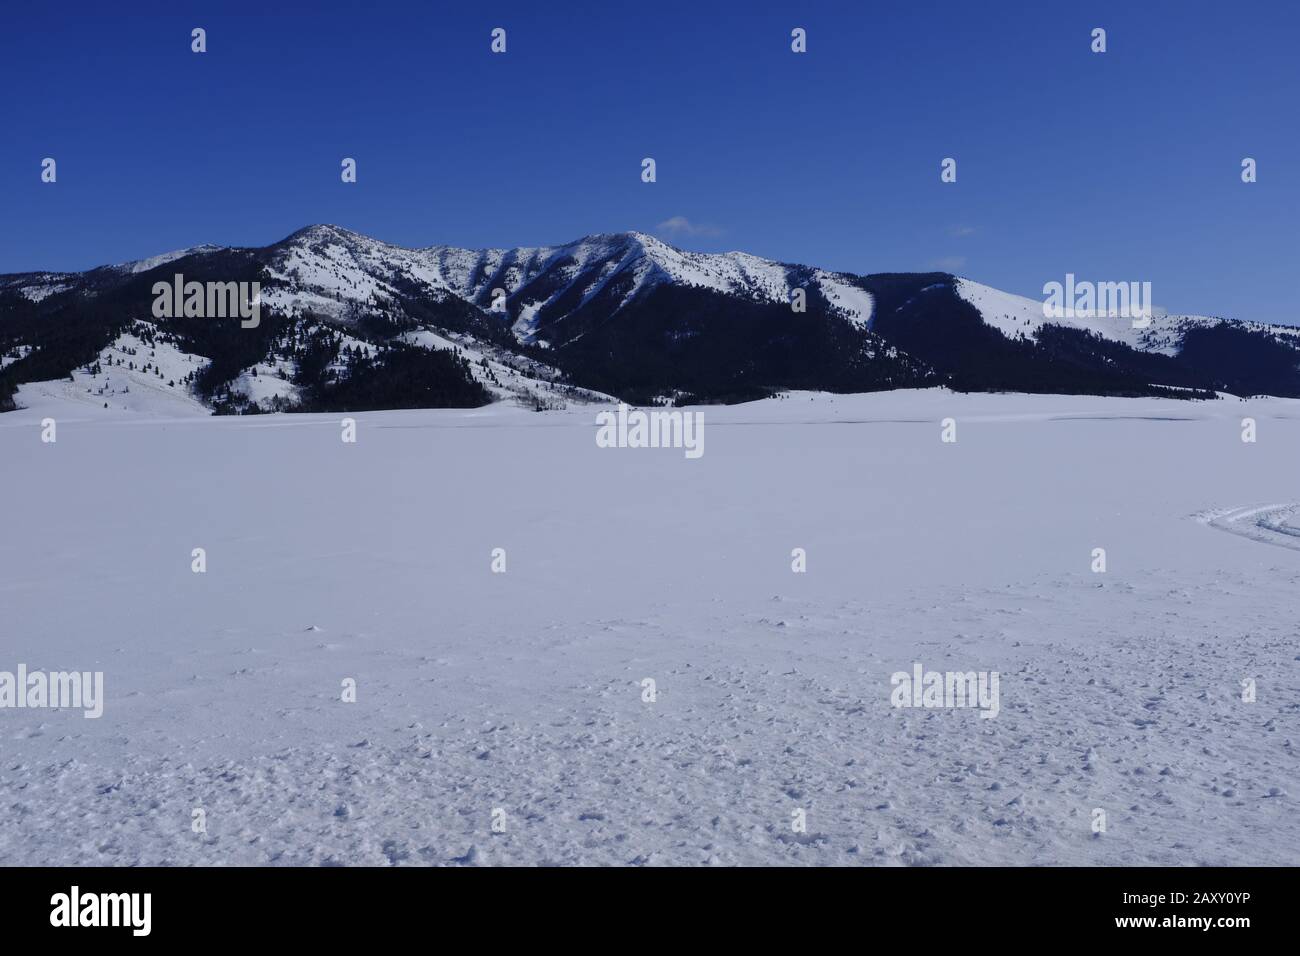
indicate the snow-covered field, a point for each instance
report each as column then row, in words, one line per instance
column 517, row 698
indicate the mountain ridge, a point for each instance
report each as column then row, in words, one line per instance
column 623, row 315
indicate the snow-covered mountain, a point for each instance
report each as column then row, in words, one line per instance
column 351, row 321
column 1016, row 316
column 326, row 269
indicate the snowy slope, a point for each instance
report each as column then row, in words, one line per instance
column 37, row 286
column 326, row 269
column 854, row 302
column 265, row 382
column 1019, row 317
column 505, row 375
column 15, row 354
column 323, row 269
column 135, row 376
column 153, row 262
column 590, row 263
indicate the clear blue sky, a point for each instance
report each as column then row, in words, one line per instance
column 1120, row 166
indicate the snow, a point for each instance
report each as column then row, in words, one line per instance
column 730, row 272
column 158, row 391
column 1012, row 315
column 333, row 272
column 39, row 285
column 330, row 265
column 153, row 262
column 271, row 381
column 650, row 261
column 324, row 269
column 505, row 375
column 856, row 304
column 16, row 354
column 522, row 692
column 1018, row 317
column 1271, row 524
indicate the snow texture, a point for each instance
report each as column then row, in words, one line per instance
column 522, row 692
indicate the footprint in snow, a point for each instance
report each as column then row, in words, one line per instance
column 471, row 856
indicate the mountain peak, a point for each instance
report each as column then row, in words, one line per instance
column 326, row 231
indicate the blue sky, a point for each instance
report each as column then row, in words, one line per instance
column 1119, row 166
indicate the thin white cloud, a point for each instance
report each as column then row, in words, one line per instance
column 961, row 232
column 948, row 263
column 681, row 226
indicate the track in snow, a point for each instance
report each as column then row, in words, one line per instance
column 1265, row 523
